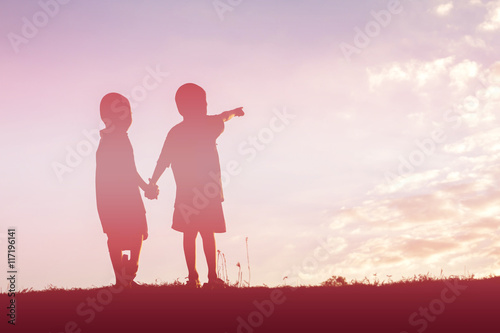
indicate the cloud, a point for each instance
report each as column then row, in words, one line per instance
column 487, row 224
column 462, row 72
column 445, row 213
column 488, row 141
column 409, row 182
column 494, row 74
column 424, row 248
column 443, row 218
column 444, row 9
column 420, row 72
column 474, row 42
column 492, row 20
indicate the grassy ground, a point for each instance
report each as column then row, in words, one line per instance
column 418, row 305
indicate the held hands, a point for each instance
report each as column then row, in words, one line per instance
column 152, row 191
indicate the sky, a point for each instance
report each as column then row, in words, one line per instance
column 369, row 147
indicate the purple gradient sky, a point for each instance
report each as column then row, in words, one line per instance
column 322, row 179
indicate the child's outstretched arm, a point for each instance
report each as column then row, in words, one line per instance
column 228, row 115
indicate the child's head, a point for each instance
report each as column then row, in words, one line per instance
column 115, row 112
column 191, row 100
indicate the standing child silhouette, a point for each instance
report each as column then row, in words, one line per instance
column 119, row 201
column 190, row 149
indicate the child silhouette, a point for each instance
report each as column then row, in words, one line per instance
column 190, row 149
column 119, row 202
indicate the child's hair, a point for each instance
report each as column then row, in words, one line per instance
column 191, row 100
column 115, row 109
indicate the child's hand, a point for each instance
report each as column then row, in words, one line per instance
column 228, row 115
column 238, row 112
column 152, row 191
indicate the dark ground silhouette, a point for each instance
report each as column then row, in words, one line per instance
column 461, row 306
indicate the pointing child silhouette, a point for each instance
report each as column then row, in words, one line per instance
column 190, row 150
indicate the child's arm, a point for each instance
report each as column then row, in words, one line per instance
column 163, row 161
column 159, row 169
column 228, row 115
column 152, row 189
column 142, row 183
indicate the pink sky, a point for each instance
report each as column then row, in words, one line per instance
column 391, row 158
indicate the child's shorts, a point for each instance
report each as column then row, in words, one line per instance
column 209, row 218
column 124, row 223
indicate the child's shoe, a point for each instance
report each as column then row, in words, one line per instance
column 215, row 283
column 193, row 283
column 134, row 284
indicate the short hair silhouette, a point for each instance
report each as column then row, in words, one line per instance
column 119, row 202
column 190, row 149
column 115, row 111
column 191, row 100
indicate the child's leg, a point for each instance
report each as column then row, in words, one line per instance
column 210, row 253
column 190, row 253
column 115, row 253
column 135, row 246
